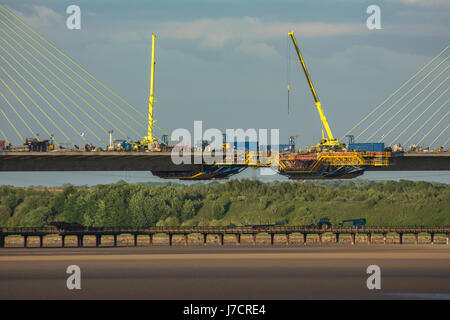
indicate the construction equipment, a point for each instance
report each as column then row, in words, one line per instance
column 66, row 226
column 37, row 145
column 364, row 146
column 326, row 143
column 324, row 223
column 329, row 159
column 356, row 223
column 149, row 140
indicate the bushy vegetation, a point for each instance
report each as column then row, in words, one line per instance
column 234, row 202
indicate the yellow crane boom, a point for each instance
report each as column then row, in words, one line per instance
column 331, row 141
column 151, row 97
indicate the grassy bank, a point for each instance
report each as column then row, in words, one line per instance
column 234, row 202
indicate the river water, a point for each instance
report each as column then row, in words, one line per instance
column 56, row 179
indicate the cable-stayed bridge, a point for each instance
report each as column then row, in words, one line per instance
column 415, row 116
column 46, row 95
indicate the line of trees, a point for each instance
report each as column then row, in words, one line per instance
column 235, row 202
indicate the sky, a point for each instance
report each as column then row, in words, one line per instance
column 225, row 62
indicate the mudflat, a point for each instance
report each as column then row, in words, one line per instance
column 228, row 272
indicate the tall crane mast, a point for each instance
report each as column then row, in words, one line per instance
column 331, row 141
column 151, row 99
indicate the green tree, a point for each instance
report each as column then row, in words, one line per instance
column 188, row 211
column 36, row 217
column 5, row 214
column 218, row 210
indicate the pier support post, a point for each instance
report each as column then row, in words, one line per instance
column 305, row 237
column 320, row 238
column 98, row 240
column 63, row 241
column 150, row 239
column 115, row 240
column 369, row 238
column 416, row 238
column 41, row 241
column 2, row 241
column 353, row 238
column 204, row 238
column 80, row 240
column 238, row 239
column 186, row 239
column 25, row 241
column 384, row 238
column 337, row 237
column 272, row 236
column 432, row 238
column 135, row 240
column 221, row 239
column 254, row 239
column 287, row 238
column 170, row 239
column 400, row 237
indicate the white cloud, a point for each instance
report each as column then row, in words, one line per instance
column 417, row 29
column 245, row 35
column 261, row 50
column 40, row 16
column 123, row 37
column 250, row 35
column 220, row 32
column 426, row 2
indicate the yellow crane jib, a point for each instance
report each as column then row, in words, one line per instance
column 151, row 100
column 331, row 141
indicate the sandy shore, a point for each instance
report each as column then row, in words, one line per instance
column 225, row 272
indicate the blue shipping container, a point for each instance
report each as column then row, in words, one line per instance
column 367, row 147
column 247, row 145
column 254, row 146
column 281, row 147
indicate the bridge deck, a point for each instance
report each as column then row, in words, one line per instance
column 161, row 161
column 427, row 161
column 89, row 161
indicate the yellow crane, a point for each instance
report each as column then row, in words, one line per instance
column 330, row 141
column 149, row 139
